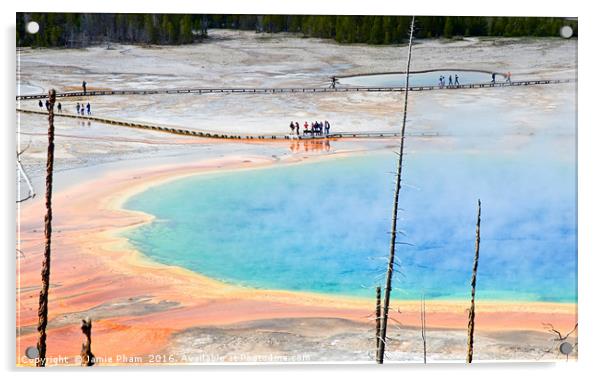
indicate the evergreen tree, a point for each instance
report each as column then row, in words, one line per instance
column 150, row 30
column 387, row 28
column 377, row 34
column 448, row 29
column 186, row 30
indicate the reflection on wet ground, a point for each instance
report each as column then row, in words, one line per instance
column 322, row 145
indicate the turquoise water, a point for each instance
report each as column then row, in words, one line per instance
column 322, row 226
column 418, row 79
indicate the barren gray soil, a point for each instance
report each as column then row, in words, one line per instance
column 324, row 339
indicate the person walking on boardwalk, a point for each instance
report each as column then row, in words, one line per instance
column 77, row 106
column 47, row 105
column 508, row 75
column 333, row 82
column 493, row 78
column 327, row 127
column 305, row 125
column 84, row 86
column 59, row 107
column 450, row 81
column 88, row 109
column 297, row 127
column 40, row 104
column 292, row 127
column 456, row 81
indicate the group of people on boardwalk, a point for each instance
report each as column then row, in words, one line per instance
column 453, row 82
column 81, row 109
column 317, row 128
column 47, row 105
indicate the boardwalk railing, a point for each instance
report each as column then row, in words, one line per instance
column 219, row 135
column 308, row 90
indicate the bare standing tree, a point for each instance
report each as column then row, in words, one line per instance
column 86, row 354
column 423, row 326
column 43, row 303
column 383, row 330
column 378, row 317
column 31, row 192
column 473, row 285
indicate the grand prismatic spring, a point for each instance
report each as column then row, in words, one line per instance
column 244, row 250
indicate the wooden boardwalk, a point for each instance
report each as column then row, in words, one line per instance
column 305, row 90
column 220, row 135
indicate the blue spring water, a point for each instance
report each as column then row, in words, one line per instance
column 418, row 79
column 322, row 226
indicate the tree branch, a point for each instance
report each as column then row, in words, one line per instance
column 31, row 194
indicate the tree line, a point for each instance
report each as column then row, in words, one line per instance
column 85, row 29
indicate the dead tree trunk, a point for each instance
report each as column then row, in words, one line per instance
column 378, row 316
column 473, row 285
column 383, row 330
column 423, row 327
column 86, row 354
column 43, row 303
column 31, row 194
